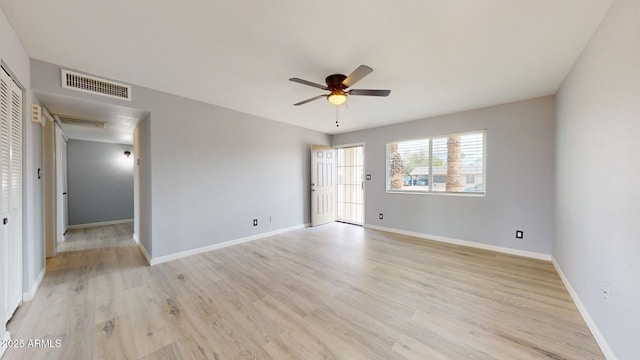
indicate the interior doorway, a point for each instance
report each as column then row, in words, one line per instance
column 350, row 184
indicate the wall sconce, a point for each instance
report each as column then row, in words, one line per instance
column 127, row 153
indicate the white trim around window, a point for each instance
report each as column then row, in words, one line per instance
column 452, row 163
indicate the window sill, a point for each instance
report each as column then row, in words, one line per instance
column 463, row 194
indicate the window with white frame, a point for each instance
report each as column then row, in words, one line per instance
column 451, row 163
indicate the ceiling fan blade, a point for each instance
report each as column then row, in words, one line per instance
column 309, row 100
column 357, row 75
column 305, row 82
column 367, row 92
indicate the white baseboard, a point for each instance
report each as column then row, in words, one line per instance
column 28, row 296
column 500, row 249
column 135, row 238
column 5, row 339
column 144, row 252
column 595, row 331
column 104, row 223
column 165, row 258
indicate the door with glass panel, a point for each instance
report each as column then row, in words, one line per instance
column 350, row 187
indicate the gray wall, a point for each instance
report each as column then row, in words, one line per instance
column 598, row 173
column 99, row 182
column 214, row 170
column 34, row 230
column 519, row 175
column 209, row 170
column 12, row 54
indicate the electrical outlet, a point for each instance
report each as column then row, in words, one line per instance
column 519, row 234
column 255, row 222
column 380, row 216
column 605, row 291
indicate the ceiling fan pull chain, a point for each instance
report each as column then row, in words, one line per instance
column 337, row 125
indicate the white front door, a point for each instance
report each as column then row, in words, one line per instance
column 323, row 185
column 11, row 187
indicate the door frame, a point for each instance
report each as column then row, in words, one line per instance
column 60, row 170
column 49, row 177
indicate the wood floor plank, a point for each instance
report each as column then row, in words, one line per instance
column 413, row 349
column 331, row 292
column 295, row 341
column 147, row 316
column 113, row 340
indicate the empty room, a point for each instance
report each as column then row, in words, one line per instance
column 319, row 180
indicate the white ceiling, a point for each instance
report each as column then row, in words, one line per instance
column 436, row 56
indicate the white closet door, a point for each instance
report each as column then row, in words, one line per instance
column 5, row 161
column 11, row 184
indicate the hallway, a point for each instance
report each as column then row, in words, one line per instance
column 92, row 264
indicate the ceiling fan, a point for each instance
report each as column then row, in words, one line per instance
column 337, row 84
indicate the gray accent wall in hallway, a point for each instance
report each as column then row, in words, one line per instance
column 100, row 182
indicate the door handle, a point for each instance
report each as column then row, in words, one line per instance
column 64, row 193
column 313, row 187
column 5, row 221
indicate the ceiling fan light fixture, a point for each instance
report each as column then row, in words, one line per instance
column 339, row 84
column 337, row 97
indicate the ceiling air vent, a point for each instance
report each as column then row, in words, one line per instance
column 94, row 85
column 80, row 122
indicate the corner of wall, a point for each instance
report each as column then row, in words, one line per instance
column 595, row 331
column 28, row 296
column 144, row 252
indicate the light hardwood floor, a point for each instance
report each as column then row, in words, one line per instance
column 332, row 292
